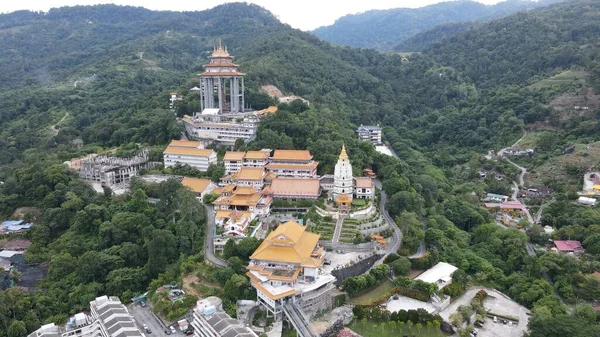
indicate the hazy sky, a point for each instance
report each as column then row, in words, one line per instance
column 302, row 14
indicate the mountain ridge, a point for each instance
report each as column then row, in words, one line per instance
column 384, row 29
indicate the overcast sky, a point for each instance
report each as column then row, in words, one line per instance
column 301, row 14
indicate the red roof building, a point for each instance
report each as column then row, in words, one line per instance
column 569, row 246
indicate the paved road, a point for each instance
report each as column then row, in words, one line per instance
column 143, row 315
column 501, row 152
column 208, row 240
column 538, row 215
column 397, row 233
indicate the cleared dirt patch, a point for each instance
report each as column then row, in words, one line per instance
column 584, row 156
column 565, row 78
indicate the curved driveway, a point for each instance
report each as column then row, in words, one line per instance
column 209, row 248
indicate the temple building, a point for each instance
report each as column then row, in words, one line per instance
column 190, row 153
column 220, row 78
column 243, row 198
column 343, row 181
column 235, row 160
column 233, row 223
column 248, row 176
column 364, row 188
column 293, row 164
column 286, row 270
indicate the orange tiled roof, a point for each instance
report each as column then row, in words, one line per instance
column 185, row 143
column 364, row 182
column 290, row 242
column 189, row 151
column 312, row 165
column 295, row 187
column 256, row 155
column 195, row 184
column 250, row 173
column 292, row 155
column 234, row 155
column 343, row 199
column 222, row 73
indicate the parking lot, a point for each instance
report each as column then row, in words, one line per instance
column 143, row 315
column 497, row 303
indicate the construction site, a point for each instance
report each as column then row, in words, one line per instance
column 113, row 172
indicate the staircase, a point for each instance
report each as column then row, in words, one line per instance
column 298, row 320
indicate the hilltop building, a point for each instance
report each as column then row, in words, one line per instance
column 200, row 187
column 190, row 153
column 209, row 320
column 221, row 76
column 293, row 164
column 440, row 275
column 343, row 181
column 370, row 133
column 286, row 269
column 209, row 126
column 243, row 198
column 173, row 98
column 108, row 318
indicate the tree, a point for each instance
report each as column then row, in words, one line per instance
column 17, row 329
column 380, row 271
column 229, row 249
column 222, row 275
column 15, row 275
column 401, row 266
column 160, row 251
column 235, row 263
column 235, row 286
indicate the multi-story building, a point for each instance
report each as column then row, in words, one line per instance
column 247, row 176
column 221, row 129
column 370, row 133
column 243, row 198
column 293, row 164
column 287, row 269
column 364, row 188
column 200, row 187
column 210, row 321
column 190, row 153
column 235, row 160
column 113, row 171
column 108, row 318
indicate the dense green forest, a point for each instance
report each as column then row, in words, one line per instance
column 108, row 69
column 385, row 29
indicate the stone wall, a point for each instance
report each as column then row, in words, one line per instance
column 354, row 270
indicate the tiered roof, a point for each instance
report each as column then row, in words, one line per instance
column 291, row 155
column 233, row 155
column 195, row 184
column 289, row 243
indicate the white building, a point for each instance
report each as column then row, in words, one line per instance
column 343, row 181
column 440, row 274
column 234, row 223
column 108, row 318
column 235, row 160
column 190, row 153
column 173, row 98
column 287, row 268
column 586, row 201
column 364, row 188
column 221, row 129
column 210, row 321
column 370, row 133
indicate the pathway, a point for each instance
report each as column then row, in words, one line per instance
column 397, row 235
column 209, row 248
column 521, row 179
column 53, row 127
column 421, row 250
column 338, row 229
column 538, row 215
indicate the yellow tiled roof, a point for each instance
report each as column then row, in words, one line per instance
column 292, row 155
column 273, row 296
column 364, row 182
column 256, row 155
column 250, row 173
column 188, row 151
column 310, row 166
column 288, row 243
column 195, row 184
column 244, row 190
column 222, row 214
column 184, row 143
column 233, row 155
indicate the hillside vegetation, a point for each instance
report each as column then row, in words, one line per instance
column 385, row 29
column 111, row 68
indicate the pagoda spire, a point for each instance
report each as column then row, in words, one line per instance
column 343, row 154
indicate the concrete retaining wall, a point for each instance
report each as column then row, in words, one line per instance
column 354, row 270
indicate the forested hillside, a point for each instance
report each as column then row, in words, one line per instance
column 385, row 29
column 108, row 69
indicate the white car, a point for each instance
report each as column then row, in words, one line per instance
column 495, row 319
column 172, row 330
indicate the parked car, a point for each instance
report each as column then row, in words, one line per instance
column 167, row 331
column 145, row 327
column 172, row 330
column 148, row 331
column 495, row 319
column 143, row 303
column 327, row 262
column 189, row 332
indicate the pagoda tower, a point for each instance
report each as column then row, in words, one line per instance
column 221, row 79
column 343, row 181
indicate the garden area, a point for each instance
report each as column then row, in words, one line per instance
column 372, row 295
column 367, row 328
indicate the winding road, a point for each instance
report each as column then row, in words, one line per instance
column 397, row 233
column 209, row 248
column 521, row 178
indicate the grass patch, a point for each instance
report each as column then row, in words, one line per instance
column 374, row 294
column 565, row 78
column 374, row 329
